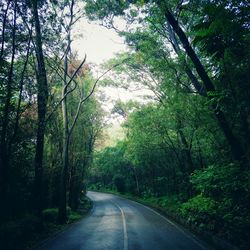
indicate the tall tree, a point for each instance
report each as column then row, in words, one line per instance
column 4, row 143
column 42, row 99
column 175, row 27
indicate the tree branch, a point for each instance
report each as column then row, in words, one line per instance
column 67, row 93
column 90, row 94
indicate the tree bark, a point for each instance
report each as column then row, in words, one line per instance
column 66, row 134
column 196, row 84
column 18, row 109
column 65, row 168
column 4, row 158
column 3, row 30
column 234, row 143
column 42, row 98
column 187, row 152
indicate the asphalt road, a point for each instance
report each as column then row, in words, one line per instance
column 117, row 223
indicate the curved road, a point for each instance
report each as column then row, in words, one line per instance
column 121, row 224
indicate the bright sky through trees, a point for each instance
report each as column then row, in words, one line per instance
column 98, row 42
column 101, row 44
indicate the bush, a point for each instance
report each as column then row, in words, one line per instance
column 222, row 205
column 50, row 215
column 73, row 216
column 200, row 211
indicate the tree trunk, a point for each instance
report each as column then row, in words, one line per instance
column 235, row 145
column 18, row 109
column 4, row 157
column 65, row 168
column 187, row 152
column 136, row 181
column 42, row 98
column 196, row 84
column 66, row 134
column 64, row 182
column 3, row 30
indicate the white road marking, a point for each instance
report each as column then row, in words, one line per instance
column 173, row 224
column 125, row 234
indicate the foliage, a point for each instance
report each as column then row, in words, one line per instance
column 223, row 203
column 187, row 145
column 31, row 131
column 50, row 215
column 119, row 183
column 191, row 139
column 200, row 211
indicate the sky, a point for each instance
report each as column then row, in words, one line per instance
column 101, row 44
column 98, row 42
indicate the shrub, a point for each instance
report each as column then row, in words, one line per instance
column 200, row 211
column 50, row 215
column 73, row 216
column 222, row 204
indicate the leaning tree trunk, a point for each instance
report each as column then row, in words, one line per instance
column 234, row 143
column 42, row 98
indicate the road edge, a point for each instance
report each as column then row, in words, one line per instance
column 65, row 227
column 213, row 242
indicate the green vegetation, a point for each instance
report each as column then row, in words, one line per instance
column 25, row 232
column 185, row 148
column 49, row 121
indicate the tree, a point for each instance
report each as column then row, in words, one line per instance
column 42, row 99
column 4, row 160
column 163, row 8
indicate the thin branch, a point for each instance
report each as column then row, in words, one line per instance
column 91, row 92
column 21, row 90
column 67, row 93
column 76, row 71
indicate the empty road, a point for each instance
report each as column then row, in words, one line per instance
column 117, row 223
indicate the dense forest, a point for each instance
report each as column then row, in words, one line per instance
column 186, row 146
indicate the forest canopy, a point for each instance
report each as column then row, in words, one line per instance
column 186, row 147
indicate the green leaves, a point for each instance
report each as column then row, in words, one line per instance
column 216, row 181
column 177, row 134
column 200, row 211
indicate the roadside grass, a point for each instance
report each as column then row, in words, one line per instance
column 27, row 233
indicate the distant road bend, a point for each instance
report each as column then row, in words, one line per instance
column 120, row 224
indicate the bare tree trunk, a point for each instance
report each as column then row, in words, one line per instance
column 65, row 168
column 66, row 135
column 187, row 152
column 42, row 99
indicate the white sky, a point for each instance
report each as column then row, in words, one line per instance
column 101, row 44
column 98, row 42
